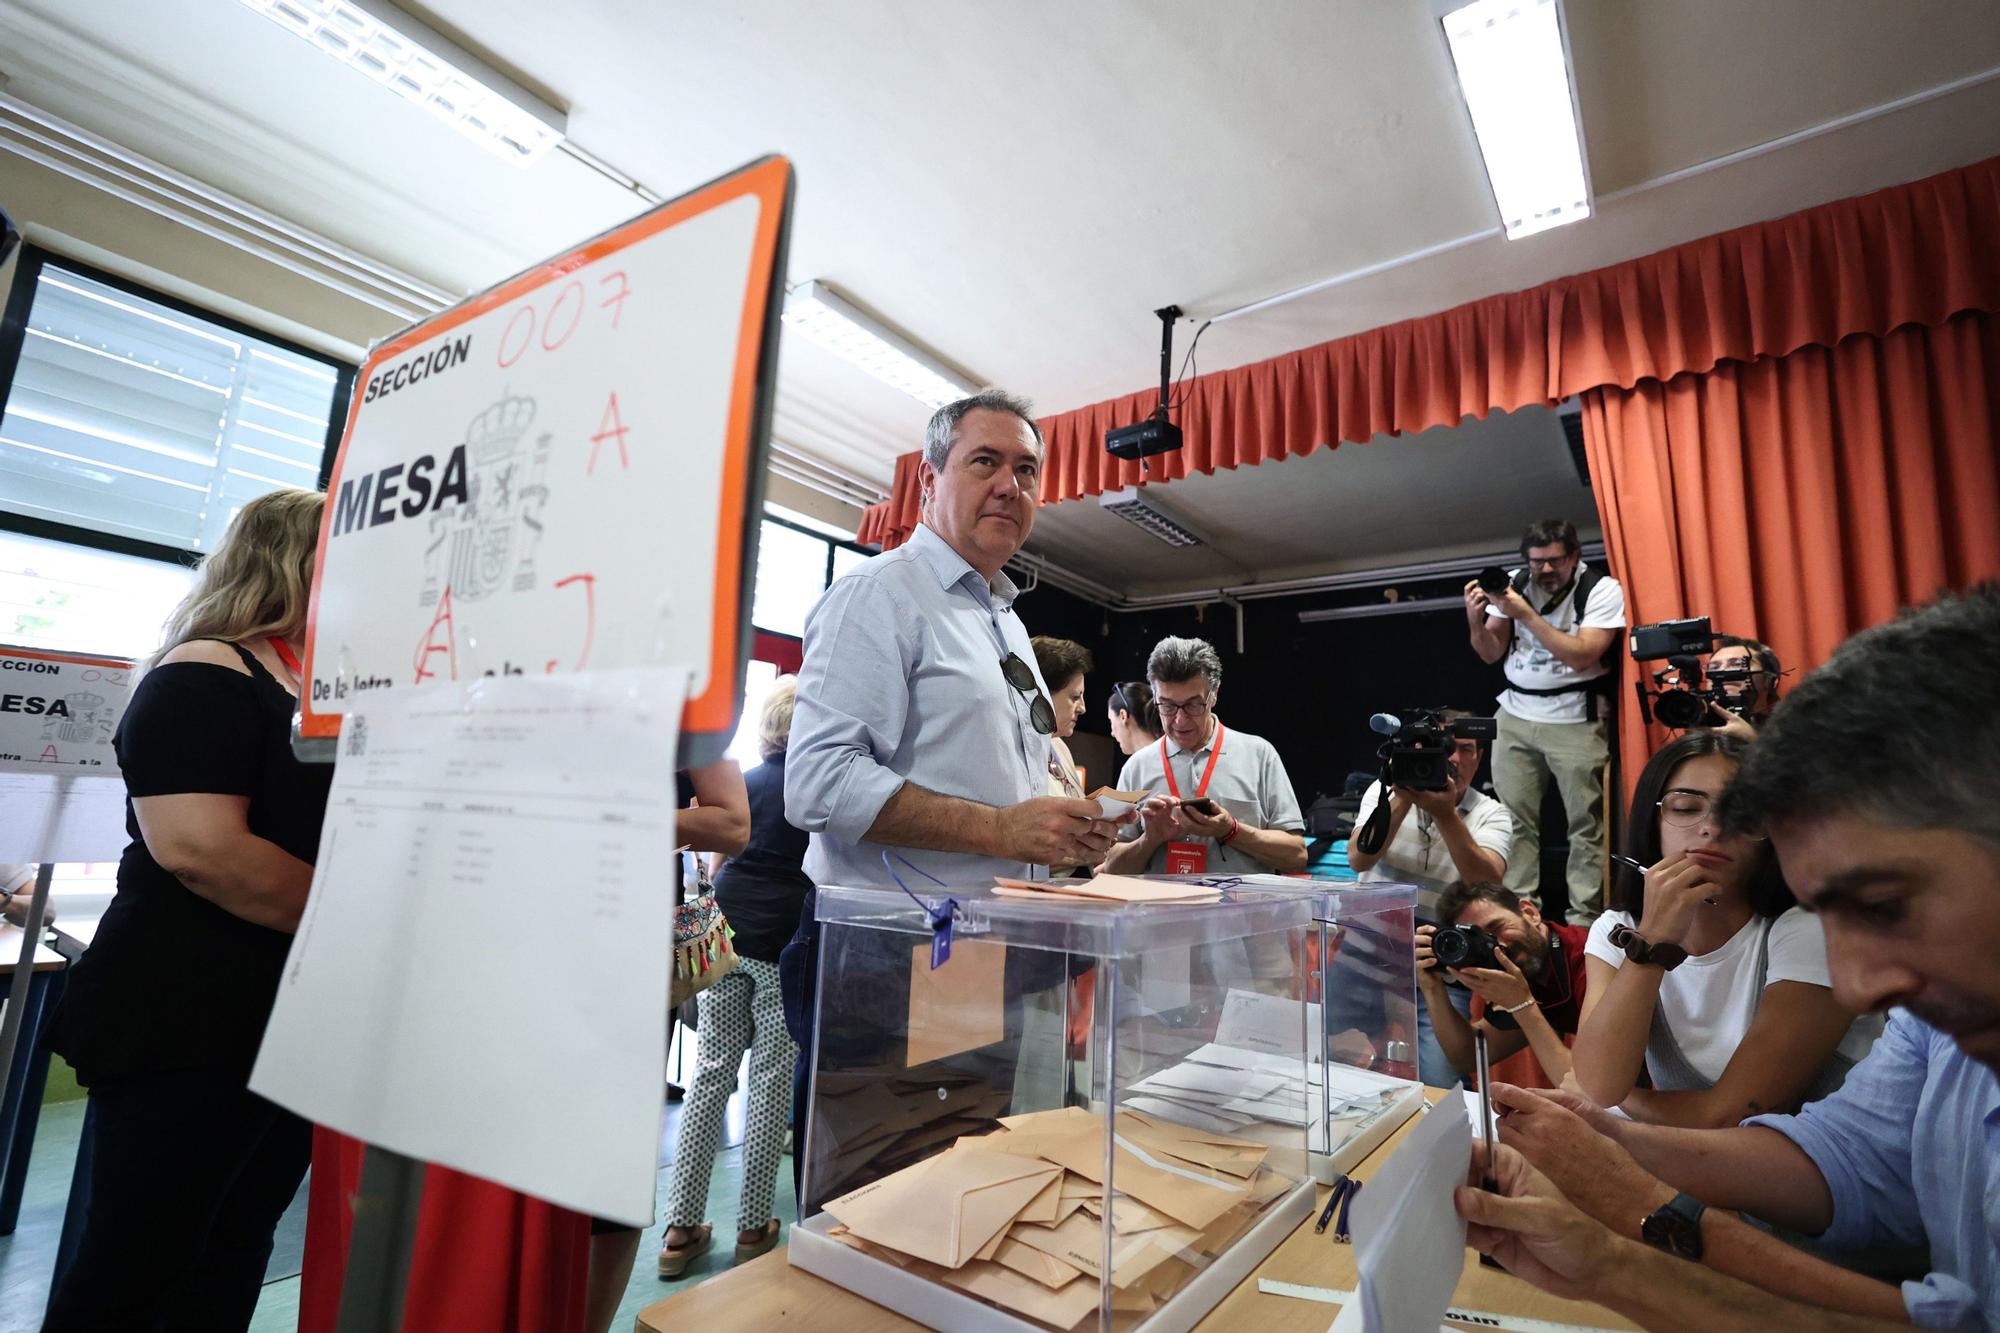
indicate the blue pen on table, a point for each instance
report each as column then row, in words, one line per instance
column 1340, row 1230
column 1340, row 1187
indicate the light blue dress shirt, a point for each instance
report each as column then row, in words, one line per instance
column 1910, row 1148
column 902, row 683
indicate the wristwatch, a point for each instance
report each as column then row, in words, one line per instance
column 1666, row 957
column 1675, row 1226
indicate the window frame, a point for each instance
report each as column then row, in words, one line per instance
column 831, row 543
column 29, row 262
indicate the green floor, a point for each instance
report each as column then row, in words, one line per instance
column 28, row 1256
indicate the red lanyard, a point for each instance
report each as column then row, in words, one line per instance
column 1214, row 754
column 286, row 655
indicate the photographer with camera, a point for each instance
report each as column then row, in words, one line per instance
column 1748, row 704
column 1733, row 697
column 1434, row 839
column 1559, row 650
column 1526, row 975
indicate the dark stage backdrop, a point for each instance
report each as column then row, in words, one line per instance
column 1307, row 688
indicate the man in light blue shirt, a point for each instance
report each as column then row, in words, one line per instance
column 1878, row 783
column 921, row 727
column 922, row 724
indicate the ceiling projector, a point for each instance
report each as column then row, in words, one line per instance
column 1156, row 434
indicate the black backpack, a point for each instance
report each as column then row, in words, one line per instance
column 1580, row 588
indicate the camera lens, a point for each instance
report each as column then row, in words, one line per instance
column 1680, row 709
column 1493, row 579
column 1463, row 946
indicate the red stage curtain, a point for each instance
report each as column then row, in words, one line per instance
column 890, row 523
column 1797, row 499
column 1912, row 254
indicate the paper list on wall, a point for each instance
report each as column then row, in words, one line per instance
column 480, row 978
column 50, row 817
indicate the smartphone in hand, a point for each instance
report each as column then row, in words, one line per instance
column 1203, row 806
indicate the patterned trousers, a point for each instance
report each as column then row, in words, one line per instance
column 738, row 1013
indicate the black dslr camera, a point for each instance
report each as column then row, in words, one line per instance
column 1418, row 752
column 1678, row 698
column 1464, row 946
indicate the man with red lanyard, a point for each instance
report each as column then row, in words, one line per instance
column 1223, row 804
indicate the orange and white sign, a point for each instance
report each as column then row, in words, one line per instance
column 564, row 473
column 61, row 795
column 58, row 711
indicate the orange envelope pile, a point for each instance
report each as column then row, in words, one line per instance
column 1108, row 889
column 1016, row 1217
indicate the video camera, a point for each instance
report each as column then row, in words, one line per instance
column 1418, row 752
column 1679, row 699
column 1417, row 756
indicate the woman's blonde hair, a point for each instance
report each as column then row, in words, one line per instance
column 257, row 581
column 774, row 724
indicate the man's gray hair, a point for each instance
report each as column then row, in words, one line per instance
column 1176, row 659
column 942, row 433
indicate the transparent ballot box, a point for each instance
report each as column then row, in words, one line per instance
column 1045, row 1131
column 1360, row 981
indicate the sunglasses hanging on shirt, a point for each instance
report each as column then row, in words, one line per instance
column 1021, row 676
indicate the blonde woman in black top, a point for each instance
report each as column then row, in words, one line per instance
column 163, row 1014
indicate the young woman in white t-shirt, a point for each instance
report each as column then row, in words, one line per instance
column 1746, row 1022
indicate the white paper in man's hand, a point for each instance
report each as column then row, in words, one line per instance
column 1409, row 1241
column 480, row 979
column 1472, row 1113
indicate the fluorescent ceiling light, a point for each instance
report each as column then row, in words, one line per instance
column 1512, row 58
column 421, row 66
column 824, row 317
column 1149, row 516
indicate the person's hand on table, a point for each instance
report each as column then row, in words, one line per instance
column 1570, row 1097
column 16, row 911
column 1531, row 1229
column 1352, row 1047
column 1592, row 1171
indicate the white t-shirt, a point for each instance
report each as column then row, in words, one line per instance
column 1418, row 855
column 1530, row 664
column 1709, row 1000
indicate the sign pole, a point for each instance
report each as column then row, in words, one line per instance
column 24, row 974
column 384, row 1237
column 539, row 578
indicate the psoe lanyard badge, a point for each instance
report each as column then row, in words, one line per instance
column 1190, row 858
